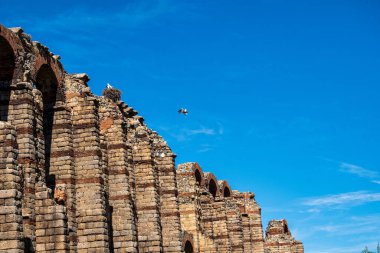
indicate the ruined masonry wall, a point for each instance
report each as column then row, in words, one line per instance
column 83, row 173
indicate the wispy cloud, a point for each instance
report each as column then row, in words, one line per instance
column 182, row 134
column 358, row 170
column 205, row 148
column 202, row 130
column 376, row 181
column 343, row 200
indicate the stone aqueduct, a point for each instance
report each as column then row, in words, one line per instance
column 83, row 173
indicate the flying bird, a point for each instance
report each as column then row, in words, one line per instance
column 183, row 111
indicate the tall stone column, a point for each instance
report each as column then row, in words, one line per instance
column 220, row 224
column 91, row 216
column 247, row 240
column 51, row 222
column 235, row 226
column 11, row 235
column 112, row 127
column 61, row 176
column 189, row 202
column 169, row 210
column 254, row 213
column 147, row 198
column 23, row 113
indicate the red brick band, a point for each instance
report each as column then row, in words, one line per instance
column 141, row 162
column 65, row 181
column 145, row 185
column 61, row 126
column 171, row 192
column 218, row 237
column 118, row 172
column 93, row 180
column 146, row 208
column 117, row 146
column 120, row 197
column 62, row 153
column 84, row 126
column 86, row 153
column 173, row 214
column 188, row 212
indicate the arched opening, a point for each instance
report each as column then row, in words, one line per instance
column 7, row 67
column 226, row 192
column 47, row 83
column 286, row 229
column 28, row 245
column 188, row 247
column 212, row 187
column 198, row 177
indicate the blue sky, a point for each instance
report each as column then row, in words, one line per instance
column 283, row 95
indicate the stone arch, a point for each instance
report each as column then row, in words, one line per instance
column 45, row 62
column 7, row 61
column 13, row 43
column 285, row 225
column 45, row 59
column 212, row 184
column 187, row 243
column 198, row 176
column 47, row 84
column 225, row 188
column 192, row 170
column 188, row 247
column 7, row 68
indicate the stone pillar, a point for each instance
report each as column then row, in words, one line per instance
column 239, row 199
column 189, row 203
column 112, row 127
column 169, row 210
column 61, row 176
column 91, row 214
column 254, row 213
column 51, row 222
column 147, row 198
column 24, row 107
column 235, row 226
column 247, row 240
column 10, row 192
column 220, row 228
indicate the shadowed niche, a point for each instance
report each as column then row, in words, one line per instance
column 212, row 187
column 47, row 83
column 188, row 247
column 198, row 177
column 226, row 192
column 7, row 67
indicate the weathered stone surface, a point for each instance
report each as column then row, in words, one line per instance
column 82, row 173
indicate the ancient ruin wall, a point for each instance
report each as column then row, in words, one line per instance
column 83, row 173
column 279, row 238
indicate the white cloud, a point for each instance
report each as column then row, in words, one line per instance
column 376, row 181
column 202, row 130
column 205, row 148
column 357, row 170
column 343, row 200
column 182, row 134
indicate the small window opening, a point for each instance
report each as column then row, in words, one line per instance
column 188, row 247
column 227, row 192
column 212, row 187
